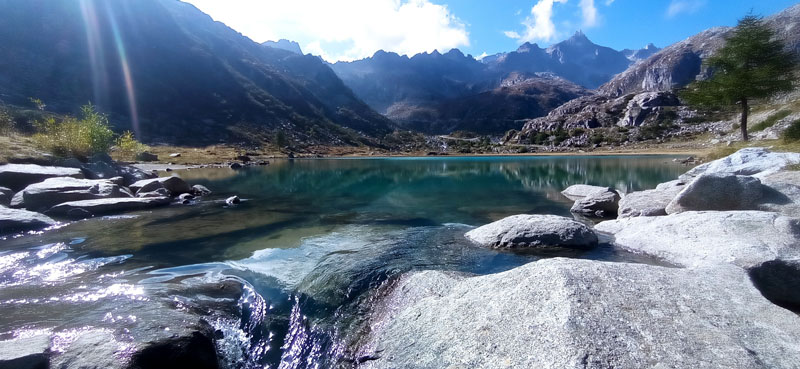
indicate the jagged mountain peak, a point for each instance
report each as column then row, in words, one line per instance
column 285, row 44
column 528, row 47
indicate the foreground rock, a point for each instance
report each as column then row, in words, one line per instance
column 719, row 191
column 699, row 239
column 648, row 203
column 562, row 313
column 602, row 203
column 579, row 191
column 17, row 220
column 533, row 231
column 25, row 353
column 754, row 161
column 783, row 193
column 53, row 191
column 89, row 208
column 101, row 166
column 18, row 176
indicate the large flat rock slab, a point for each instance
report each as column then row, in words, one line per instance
column 18, row 220
column 533, row 231
column 706, row 238
column 89, row 208
column 18, row 176
column 566, row 313
column 53, row 191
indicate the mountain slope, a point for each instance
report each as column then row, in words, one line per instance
column 681, row 63
column 284, row 44
column 193, row 80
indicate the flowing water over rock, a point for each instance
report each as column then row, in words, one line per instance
column 285, row 279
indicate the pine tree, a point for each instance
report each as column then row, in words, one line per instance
column 751, row 65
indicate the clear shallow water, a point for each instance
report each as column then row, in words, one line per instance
column 311, row 242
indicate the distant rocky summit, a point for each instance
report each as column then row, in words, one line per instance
column 284, row 44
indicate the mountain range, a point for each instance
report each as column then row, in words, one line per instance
column 171, row 73
column 192, row 80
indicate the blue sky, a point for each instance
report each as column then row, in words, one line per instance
column 353, row 29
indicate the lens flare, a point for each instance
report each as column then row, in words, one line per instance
column 126, row 71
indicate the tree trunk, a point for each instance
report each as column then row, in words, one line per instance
column 745, row 111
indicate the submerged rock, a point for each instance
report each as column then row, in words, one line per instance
column 53, row 191
column 602, row 203
column 566, row 313
column 89, row 208
column 233, row 200
column 753, row 161
column 579, row 191
column 533, row 231
column 16, row 220
column 18, row 176
column 719, row 191
column 707, row 238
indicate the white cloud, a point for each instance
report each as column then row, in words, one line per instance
column 539, row 25
column 589, row 12
column 483, row 55
column 677, row 7
column 344, row 29
column 609, row 2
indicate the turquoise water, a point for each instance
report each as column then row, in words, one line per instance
column 312, row 242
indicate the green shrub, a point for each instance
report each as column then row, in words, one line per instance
column 128, row 147
column 6, row 122
column 598, row 139
column 577, row 132
column 770, row 121
column 75, row 137
column 792, row 134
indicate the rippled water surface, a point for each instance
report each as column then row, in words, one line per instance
column 311, row 242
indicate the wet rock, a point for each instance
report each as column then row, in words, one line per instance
column 25, row 353
column 708, row 238
column 53, row 191
column 602, row 203
column 235, row 166
column 18, row 176
column 93, row 349
column 6, row 195
column 568, row 313
column 579, row 191
column 185, row 196
column 158, row 192
column 80, row 209
column 233, row 200
column 718, row 191
column 175, row 185
column 196, row 351
column 146, row 156
column 753, row 161
column 200, row 190
column 533, row 231
column 17, row 220
column 647, row 203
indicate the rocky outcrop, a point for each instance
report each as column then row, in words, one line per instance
column 533, row 231
column 648, row 203
column 719, row 191
column 101, row 166
column 708, row 238
column 752, row 161
column 89, row 208
column 579, row 191
column 604, row 203
column 18, row 176
column 562, row 313
column 53, row 191
column 15, row 220
column 175, row 185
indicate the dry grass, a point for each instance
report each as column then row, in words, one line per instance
column 774, row 145
column 17, row 146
